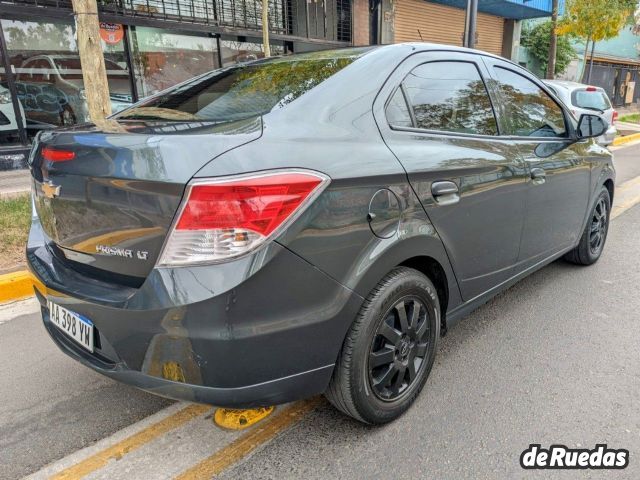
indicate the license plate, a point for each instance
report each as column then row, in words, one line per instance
column 72, row 324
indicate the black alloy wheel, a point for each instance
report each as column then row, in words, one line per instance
column 389, row 350
column 594, row 236
column 599, row 223
column 399, row 348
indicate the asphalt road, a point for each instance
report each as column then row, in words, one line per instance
column 627, row 163
column 555, row 359
column 51, row 405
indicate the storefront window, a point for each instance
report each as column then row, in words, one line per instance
column 48, row 74
column 234, row 51
column 162, row 58
column 9, row 134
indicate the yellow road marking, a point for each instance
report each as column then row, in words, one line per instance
column 131, row 443
column 247, row 443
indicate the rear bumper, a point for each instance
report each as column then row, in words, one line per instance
column 262, row 330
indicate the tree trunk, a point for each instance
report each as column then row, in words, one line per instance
column 593, row 48
column 265, row 28
column 584, row 60
column 553, row 42
column 94, row 73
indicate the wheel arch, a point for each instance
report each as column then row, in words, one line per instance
column 432, row 269
column 425, row 254
column 608, row 183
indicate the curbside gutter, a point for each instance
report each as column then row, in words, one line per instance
column 17, row 285
column 626, row 139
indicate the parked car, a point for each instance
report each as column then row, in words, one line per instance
column 582, row 99
column 52, row 89
column 242, row 241
column 8, row 121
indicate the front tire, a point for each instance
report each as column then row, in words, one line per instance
column 594, row 236
column 389, row 349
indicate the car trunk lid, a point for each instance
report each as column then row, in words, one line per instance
column 106, row 197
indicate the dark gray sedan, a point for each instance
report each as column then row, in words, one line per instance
column 308, row 224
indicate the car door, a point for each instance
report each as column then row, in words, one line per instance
column 438, row 119
column 559, row 175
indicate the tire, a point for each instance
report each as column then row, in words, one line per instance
column 594, row 236
column 363, row 385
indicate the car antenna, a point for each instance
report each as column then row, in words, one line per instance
column 420, row 35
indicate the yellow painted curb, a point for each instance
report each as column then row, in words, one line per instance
column 17, row 285
column 626, row 139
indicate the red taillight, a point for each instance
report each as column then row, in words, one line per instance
column 259, row 204
column 55, row 155
column 592, row 89
column 615, row 116
column 222, row 219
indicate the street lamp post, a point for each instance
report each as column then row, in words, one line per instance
column 470, row 23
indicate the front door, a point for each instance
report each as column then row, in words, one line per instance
column 440, row 124
column 559, row 175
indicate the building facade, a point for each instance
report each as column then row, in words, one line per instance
column 443, row 21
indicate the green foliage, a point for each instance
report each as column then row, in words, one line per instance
column 537, row 40
column 15, row 218
column 596, row 19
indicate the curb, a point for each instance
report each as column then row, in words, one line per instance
column 626, row 139
column 17, row 285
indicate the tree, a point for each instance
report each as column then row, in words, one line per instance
column 537, row 40
column 595, row 20
column 553, row 42
column 265, row 28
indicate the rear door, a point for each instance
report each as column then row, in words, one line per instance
column 439, row 121
column 558, row 174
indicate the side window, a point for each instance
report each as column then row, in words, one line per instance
column 397, row 111
column 451, row 97
column 529, row 110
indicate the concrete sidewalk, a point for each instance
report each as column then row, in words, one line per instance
column 14, row 183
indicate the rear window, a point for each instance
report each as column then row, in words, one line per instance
column 591, row 100
column 244, row 91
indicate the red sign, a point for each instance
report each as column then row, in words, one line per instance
column 111, row 33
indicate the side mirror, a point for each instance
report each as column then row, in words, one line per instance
column 591, row 126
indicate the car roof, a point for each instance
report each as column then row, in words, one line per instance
column 570, row 85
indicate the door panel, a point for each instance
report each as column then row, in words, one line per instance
column 472, row 184
column 559, row 175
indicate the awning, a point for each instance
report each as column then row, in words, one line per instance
column 513, row 9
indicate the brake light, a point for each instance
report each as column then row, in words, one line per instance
column 592, row 89
column 55, row 155
column 225, row 218
column 615, row 116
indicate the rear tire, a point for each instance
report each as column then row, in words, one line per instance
column 389, row 350
column 594, row 236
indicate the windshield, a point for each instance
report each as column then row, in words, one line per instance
column 244, row 91
column 591, row 100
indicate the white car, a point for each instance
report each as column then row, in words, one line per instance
column 581, row 98
column 8, row 123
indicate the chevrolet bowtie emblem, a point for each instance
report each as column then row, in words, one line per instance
column 50, row 190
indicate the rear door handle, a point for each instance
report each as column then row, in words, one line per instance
column 538, row 175
column 445, row 192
